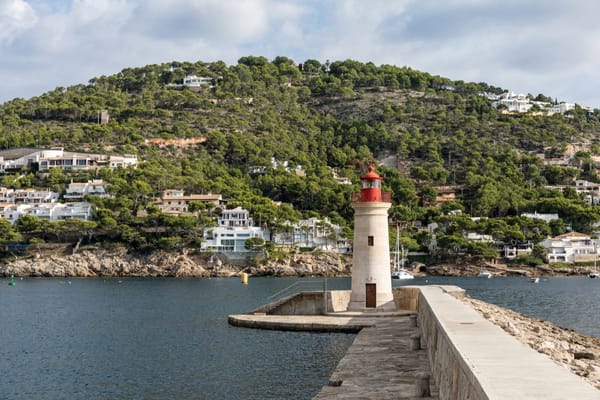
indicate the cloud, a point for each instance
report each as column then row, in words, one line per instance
column 532, row 46
column 217, row 21
column 16, row 16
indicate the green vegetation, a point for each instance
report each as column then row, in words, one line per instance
column 339, row 115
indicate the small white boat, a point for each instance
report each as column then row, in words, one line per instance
column 485, row 274
column 594, row 274
column 534, row 280
column 402, row 274
column 398, row 271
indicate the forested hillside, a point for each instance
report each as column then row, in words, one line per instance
column 321, row 116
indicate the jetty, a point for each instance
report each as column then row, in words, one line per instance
column 433, row 346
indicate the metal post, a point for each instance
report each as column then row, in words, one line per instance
column 325, row 293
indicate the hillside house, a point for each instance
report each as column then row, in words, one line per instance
column 23, row 158
column 194, row 81
column 445, row 194
column 561, row 108
column 570, row 247
column 514, row 102
column 27, row 196
column 312, row 232
column 546, row 217
column 48, row 211
column 237, row 217
column 517, row 250
column 78, row 190
column 235, row 226
column 176, row 202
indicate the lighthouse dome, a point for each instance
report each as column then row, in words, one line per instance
column 371, row 175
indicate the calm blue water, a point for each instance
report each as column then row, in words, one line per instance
column 571, row 302
column 153, row 339
column 169, row 338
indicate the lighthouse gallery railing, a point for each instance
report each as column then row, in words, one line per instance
column 386, row 197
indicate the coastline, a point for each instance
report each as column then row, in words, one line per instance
column 189, row 263
column 184, row 264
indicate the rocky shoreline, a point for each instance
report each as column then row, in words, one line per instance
column 192, row 264
column 187, row 264
column 566, row 347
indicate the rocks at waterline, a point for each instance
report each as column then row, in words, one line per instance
column 107, row 263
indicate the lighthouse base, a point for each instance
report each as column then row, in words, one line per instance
column 371, row 302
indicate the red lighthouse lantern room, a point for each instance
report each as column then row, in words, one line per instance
column 370, row 186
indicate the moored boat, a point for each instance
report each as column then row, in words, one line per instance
column 485, row 274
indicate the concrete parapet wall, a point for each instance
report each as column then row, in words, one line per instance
column 305, row 303
column 471, row 358
column 454, row 377
column 338, row 300
column 406, row 297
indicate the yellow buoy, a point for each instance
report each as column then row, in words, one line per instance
column 244, row 278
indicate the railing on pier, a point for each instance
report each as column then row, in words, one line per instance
column 298, row 287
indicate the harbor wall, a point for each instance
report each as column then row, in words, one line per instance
column 451, row 372
column 308, row 303
column 471, row 358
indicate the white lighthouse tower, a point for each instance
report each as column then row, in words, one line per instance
column 371, row 276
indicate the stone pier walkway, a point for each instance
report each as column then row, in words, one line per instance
column 379, row 365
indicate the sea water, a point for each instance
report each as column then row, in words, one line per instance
column 153, row 339
column 569, row 302
column 133, row 338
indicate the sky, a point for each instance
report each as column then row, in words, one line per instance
column 534, row 46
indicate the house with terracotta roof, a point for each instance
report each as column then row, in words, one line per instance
column 571, row 247
column 176, row 202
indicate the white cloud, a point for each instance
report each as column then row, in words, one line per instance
column 527, row 47
column 16, row 16
column 218, row 21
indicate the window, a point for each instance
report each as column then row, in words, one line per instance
column 370, row 240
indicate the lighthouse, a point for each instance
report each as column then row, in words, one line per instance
column 371, row 277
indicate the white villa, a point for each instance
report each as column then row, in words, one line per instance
column 546, row 217
column 520, row 249
column 235, row 226
column 522, row 103
column 48, row 211
column 27, row 196
column 312, row 232
column 514, row 102
column 18, row 159
column 78, row 190
column 197, row 81
column 236, row 217
column 571, row 247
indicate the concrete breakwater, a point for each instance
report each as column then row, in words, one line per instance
column 469, row 355
column 566, row 347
